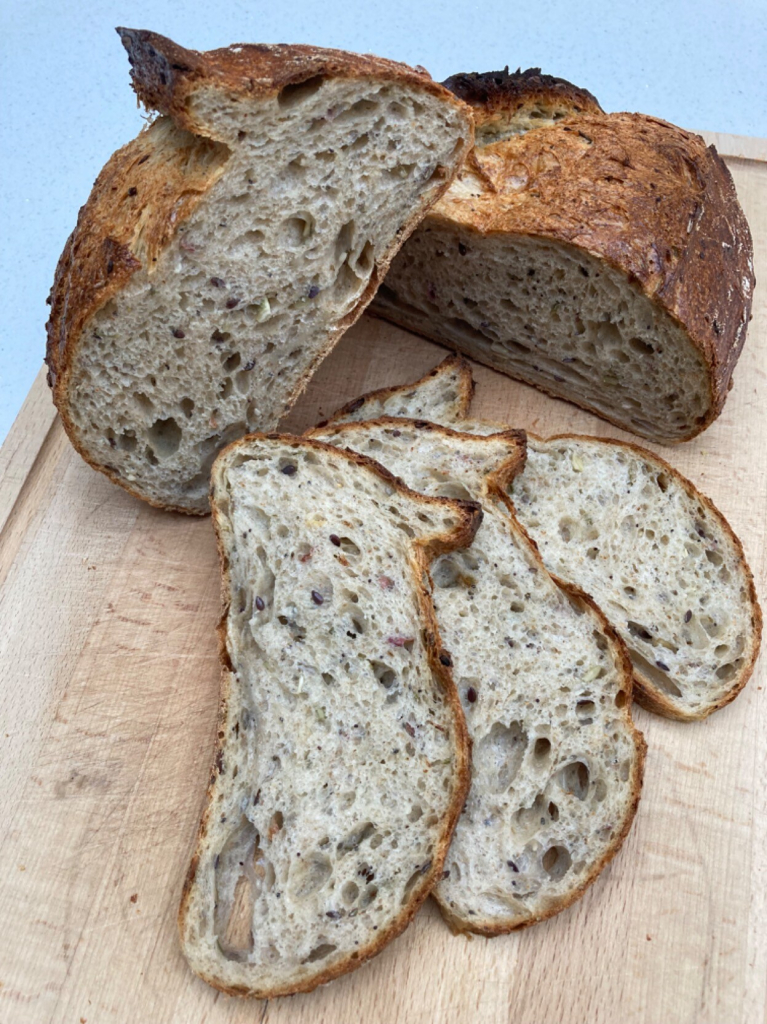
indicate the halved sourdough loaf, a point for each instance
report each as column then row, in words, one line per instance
column 342, row 759
column 224, row 251
column 603, row 258
column 658, row 557
column 545, row 685
column 447, row 389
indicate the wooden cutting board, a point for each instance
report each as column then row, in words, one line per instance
column 109, row 682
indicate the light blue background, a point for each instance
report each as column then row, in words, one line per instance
column 67, row 103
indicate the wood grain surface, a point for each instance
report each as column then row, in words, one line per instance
column 109, row 683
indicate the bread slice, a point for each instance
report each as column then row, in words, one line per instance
column 225, row 250
column 603, row 258
column 658, row 557
column 545, row 685
column 448, row 388
column 342, row 758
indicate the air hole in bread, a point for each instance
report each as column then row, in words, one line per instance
column 542, row 748
column 362, row 265
column 355, row 838
column 297, row 230
column 361, row 109
column 585, row 710
column 642, row 347
column 299, row 92
column 574, row 779
column 226, row 387
column 144, row 404
column 728, row 671
column 385, row 674
column 165, row 437
column 187, row 407
column 151, row 457
column 310, row 874
column 350, row 892
column 231, row 362
column 556, row 862
column 320, row 952
column 499, row 753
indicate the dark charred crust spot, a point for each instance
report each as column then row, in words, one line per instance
column 504, row 89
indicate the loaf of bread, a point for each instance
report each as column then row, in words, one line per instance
column 224, row 251
column 603, row 258
column 658, row 557
column 545, row 686
column 342, row 759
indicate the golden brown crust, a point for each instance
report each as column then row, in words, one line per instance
column 165, row 75
column 439, row 659
column 454, row 363
column 647, row 695
column 152, row 185
column 499, row 99
column 649, row 199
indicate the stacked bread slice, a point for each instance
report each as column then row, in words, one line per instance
column 657, row 556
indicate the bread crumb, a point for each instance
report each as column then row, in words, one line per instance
column 134, row 897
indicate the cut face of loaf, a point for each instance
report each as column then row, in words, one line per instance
column 659, row 558
column 447, row 389
column 603, row 258
column 556, row 761
column 225, row 250
column 342, row 760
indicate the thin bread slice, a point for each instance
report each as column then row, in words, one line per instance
column 448, row 389
column 342, row 756
column 658, row 557
column 601, row 257
column 545, row 685
column 223, row 252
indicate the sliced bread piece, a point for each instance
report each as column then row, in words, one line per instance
column 603, row 258
column 342, row 759
column 545, row 685
column 447, row 389
column 658, row 557
column 225, row 250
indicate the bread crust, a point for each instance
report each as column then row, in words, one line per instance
column 496, row 97
column 439, row 660
column 454, row 363
column 145, row 191
column 649, row 199
column 647, row 695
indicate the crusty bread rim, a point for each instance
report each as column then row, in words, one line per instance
column 648, row 695
column 424, row 550
column 455, row 361
column 497, row 484
column 164, row 75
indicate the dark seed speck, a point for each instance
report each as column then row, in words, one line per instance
column 335, row 540
column 662, row 665
column 260, row 603
column 471, row 695
column 178, row 333
column 317, row 597
column 288, row 470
